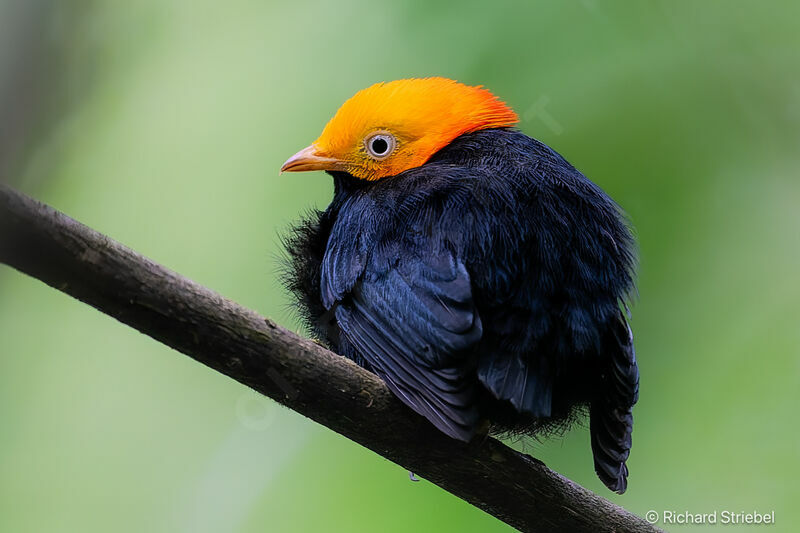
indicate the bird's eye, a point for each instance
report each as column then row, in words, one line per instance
column 380, row 145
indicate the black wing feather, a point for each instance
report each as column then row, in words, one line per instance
column 413, row 321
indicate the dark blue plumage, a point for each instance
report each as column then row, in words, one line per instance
column 485, row 284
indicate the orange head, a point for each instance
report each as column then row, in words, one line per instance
column 391, row 127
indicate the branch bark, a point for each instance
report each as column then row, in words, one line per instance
column 516, row 488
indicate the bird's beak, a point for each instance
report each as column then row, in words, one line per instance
column 310, row 159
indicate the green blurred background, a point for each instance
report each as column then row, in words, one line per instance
column 163, row 125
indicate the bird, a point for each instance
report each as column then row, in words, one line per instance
column 473, row 269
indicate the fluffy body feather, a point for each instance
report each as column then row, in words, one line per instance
column 485, row 284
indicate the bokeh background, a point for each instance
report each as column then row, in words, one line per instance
column 163, row 125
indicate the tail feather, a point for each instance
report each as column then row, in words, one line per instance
column 527, row 385
column 611, row 416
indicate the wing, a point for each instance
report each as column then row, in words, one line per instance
column 411, row 317
column 611, row 417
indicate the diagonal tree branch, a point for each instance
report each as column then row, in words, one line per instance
column 514, row 487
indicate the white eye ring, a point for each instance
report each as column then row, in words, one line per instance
column 380, row 145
